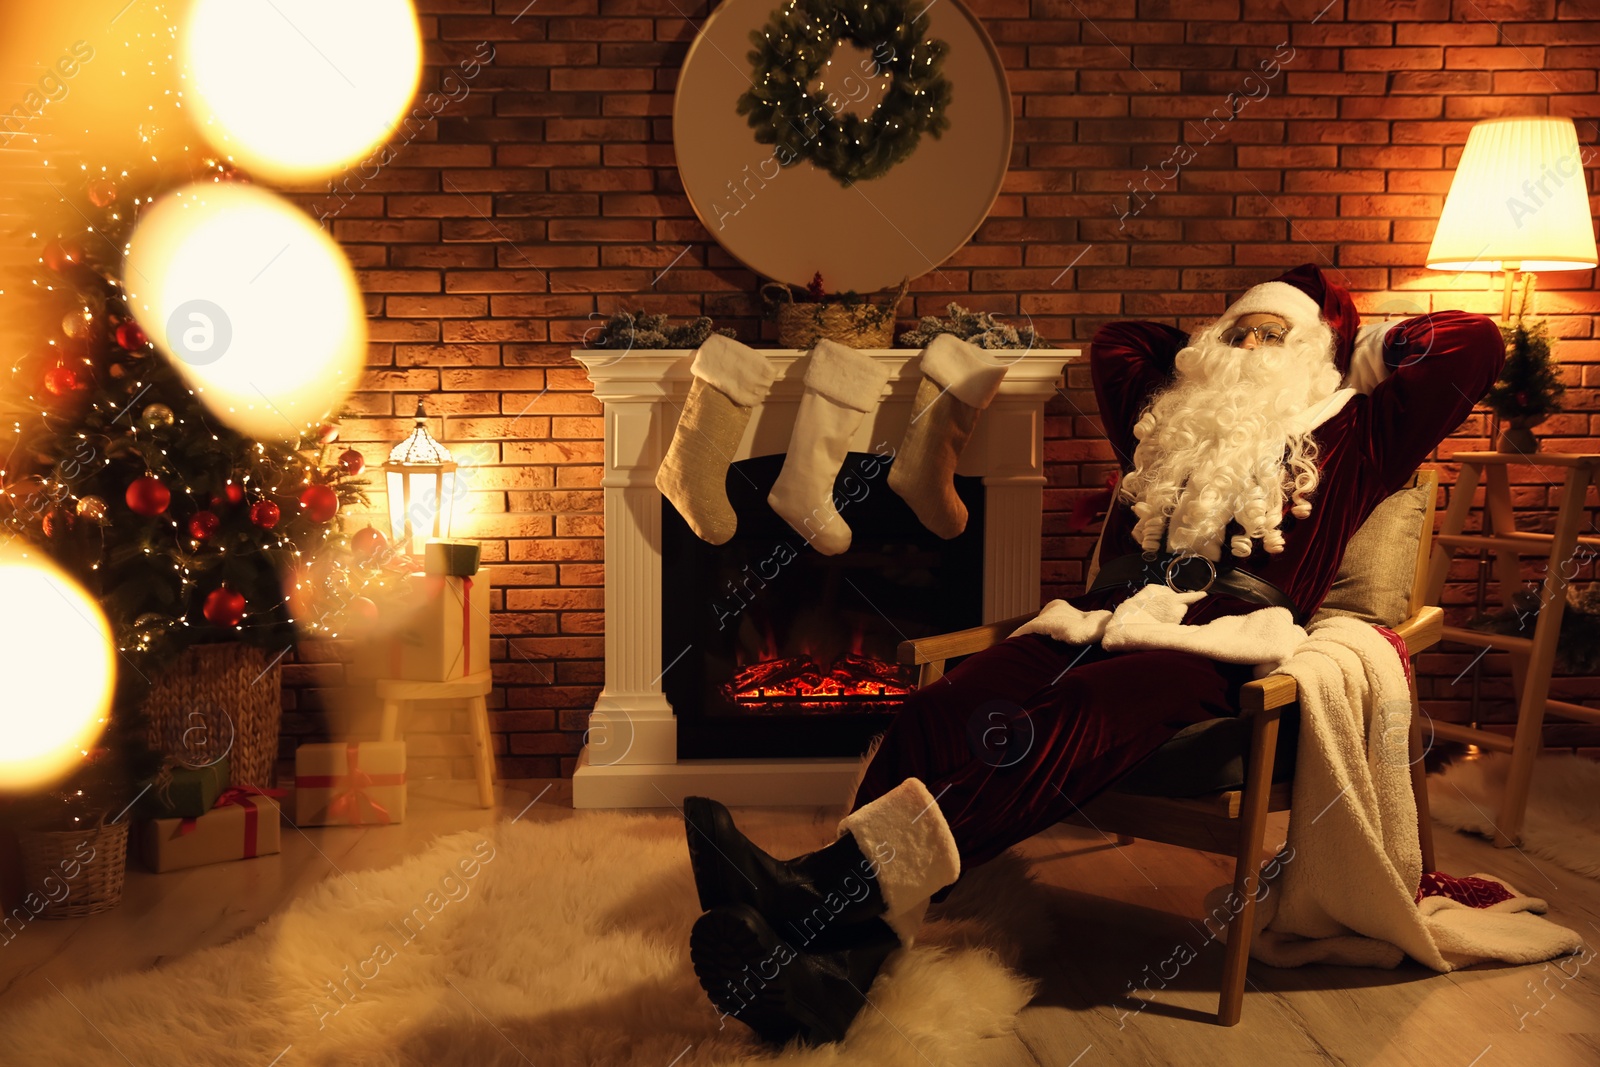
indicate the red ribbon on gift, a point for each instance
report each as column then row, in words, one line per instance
column 347, row 806
column 240, row 795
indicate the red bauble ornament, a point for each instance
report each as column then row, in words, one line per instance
column 61, row 256
column 147, row 496
column 352, row 462
column 203, row 525
column 57, row 522
column 368, row 542
column 264, row 513
column 131, row 335
column 232, row 496
column 319, row 503
column 327, row 434
column 102, row 192
column 61, row 380
column 223, row 607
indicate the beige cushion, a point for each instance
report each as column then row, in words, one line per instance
column 1380, row 563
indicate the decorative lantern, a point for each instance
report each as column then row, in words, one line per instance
column 422, row 483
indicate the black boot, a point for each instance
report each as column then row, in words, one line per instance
column 778, row 989
column 835, row 885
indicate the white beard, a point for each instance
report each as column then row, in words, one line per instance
column 1212, row 445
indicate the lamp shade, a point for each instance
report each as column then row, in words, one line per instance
column 421, row 482
column 1519, row 201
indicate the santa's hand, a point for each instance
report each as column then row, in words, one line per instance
column 1154, row 604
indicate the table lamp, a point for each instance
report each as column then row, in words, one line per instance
column 1519, row 202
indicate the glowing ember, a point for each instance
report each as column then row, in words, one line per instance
column 852, row 679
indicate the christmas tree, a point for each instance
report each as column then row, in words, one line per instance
column 184, row 530
column 1530, row 388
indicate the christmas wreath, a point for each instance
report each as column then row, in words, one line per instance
column 792, row 49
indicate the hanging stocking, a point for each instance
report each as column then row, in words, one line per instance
column 958, row 381
column 842, row 387
column 730, row 379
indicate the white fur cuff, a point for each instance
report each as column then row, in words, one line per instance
column 904, row 835
column 1367, row 367
column 845, row 376
column 1064, row 622
column 971, row 374
column 1266, row 637
column 736, row 369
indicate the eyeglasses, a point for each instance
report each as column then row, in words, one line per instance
column 1270, row 334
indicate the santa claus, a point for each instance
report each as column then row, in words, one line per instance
column 1251, row 451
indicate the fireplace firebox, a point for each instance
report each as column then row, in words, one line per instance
column 776, row 650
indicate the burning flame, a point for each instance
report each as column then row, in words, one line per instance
column 801, row 680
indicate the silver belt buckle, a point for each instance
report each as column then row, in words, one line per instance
column 1175, row 560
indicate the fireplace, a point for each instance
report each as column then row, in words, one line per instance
column 777, row 650
column 688, row 708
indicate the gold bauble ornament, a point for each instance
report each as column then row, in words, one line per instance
column 92, row 508
column 158, row 415
column 77, row 323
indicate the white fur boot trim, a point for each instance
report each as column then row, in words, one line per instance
column 736, row 369
column 969, row 372
column 904, row 835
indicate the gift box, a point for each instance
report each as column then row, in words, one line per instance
column 351, row 784
column 184, row 792
column 455, row 559
column 241, row 826
column 435, row 629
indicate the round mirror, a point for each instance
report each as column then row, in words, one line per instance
column 865, row 142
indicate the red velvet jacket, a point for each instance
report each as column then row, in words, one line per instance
column 1440, row 365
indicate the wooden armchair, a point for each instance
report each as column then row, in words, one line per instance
column 1232, row 821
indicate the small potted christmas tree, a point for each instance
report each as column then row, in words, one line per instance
column 1530, row 387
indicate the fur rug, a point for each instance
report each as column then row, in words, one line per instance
column 1562, row 823
column 558, row 942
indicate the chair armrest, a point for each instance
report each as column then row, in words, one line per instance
column 940, row 647
column 1265, row 694
column 1421, row 630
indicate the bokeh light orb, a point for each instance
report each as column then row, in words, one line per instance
column 58, row 668
column 300, row 88
column 256, row 306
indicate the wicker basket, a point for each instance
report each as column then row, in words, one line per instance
column 863, row 325
column 216, row 700
column 60, row 867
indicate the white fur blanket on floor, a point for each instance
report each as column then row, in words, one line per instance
column 561, row 942
column 1344, row 888
column 1562, row 820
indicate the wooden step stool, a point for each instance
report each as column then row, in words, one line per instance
column 1532, row 658
column 395, row 692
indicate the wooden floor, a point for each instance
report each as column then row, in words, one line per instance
column 1122, row 914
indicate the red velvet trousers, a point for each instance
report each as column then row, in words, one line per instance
column 1017, row 737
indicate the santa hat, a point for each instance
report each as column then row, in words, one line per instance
column 1305, row 298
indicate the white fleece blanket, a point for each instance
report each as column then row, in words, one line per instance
column 1343, row 890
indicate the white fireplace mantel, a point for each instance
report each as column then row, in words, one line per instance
column 630, row 758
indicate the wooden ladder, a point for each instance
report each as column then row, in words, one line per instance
column 1531, row 657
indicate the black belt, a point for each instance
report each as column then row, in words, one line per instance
column 1187, row 572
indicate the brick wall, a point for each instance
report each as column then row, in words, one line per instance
column 541, row 193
